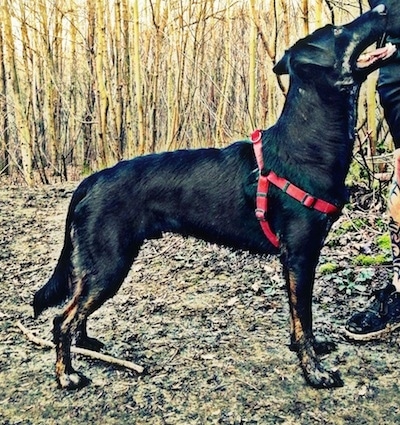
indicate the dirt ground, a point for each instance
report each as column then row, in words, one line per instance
column 209, row 325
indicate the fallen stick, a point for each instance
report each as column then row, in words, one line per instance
column 83, row 351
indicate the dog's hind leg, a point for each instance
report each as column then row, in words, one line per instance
column 64, row 326
column 88, row 297
column 85, row 341
column 95, row 282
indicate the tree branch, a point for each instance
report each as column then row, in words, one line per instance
column 83, row 351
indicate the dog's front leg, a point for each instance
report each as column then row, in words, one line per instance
column 299, row 271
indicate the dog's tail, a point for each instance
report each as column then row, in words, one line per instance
column 58, row 287
column 56, row 290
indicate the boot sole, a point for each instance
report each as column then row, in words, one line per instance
column 371, row 336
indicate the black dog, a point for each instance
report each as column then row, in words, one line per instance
column 211, row 194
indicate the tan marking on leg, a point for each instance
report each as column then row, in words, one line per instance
column 63, row 345
column 296, row 326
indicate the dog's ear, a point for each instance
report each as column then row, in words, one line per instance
column 316, row 54
column 282, row 67
column 308, row 55
column 316, row 49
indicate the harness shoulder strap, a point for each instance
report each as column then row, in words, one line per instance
column 262, row 190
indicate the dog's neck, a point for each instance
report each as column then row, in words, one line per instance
column 318, row 129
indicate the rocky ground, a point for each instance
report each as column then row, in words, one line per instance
column 209, row 325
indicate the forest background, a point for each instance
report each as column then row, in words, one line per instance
column 86, row 83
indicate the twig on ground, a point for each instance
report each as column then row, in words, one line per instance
column 83, row 351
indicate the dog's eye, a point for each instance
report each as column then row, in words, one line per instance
column 337, row 31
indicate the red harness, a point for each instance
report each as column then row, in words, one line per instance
column 295, row 192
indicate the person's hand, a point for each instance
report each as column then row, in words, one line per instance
column 367, row 59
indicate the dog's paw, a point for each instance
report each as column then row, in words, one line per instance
column 72, row 381
column 319, row 378
column 321, row 346
column 89, row 343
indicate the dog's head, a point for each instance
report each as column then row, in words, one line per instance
column 334, row 53
column 393, row 11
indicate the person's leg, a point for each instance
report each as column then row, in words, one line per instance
column 383, row 313
column 394, row 224
column 389, row 94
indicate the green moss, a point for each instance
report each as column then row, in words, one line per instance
column 351, row 226
column 369, row 260
column 383, row 242
column 328, row 268
column 381, row 224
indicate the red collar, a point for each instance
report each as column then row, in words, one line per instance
column 295, row 192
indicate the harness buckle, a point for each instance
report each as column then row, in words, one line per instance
column 256, row 136
column 260, row 214
column 286, row 187
column 308, row 201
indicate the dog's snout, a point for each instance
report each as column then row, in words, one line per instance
column 380, row 8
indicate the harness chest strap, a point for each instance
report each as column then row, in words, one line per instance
column 295, row 192
column 262, row 207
